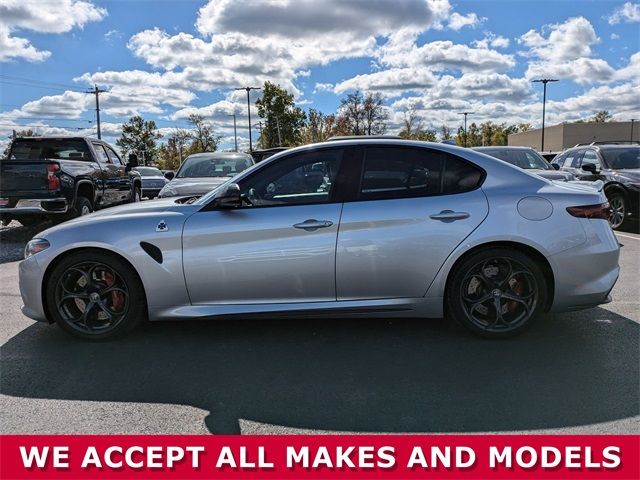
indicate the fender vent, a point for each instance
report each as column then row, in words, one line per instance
column 153, row 251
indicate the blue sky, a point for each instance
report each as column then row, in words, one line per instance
column 166, row 59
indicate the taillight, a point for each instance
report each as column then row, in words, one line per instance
column 53, row 181
column 601, row 210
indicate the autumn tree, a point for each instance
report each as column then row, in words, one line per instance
column 601, row 117
column 201, row 136
column 139, row 137
column 414, row 128
column 364, row 115
column 283, row 121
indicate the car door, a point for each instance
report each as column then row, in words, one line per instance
column 125, row 187
column 110, row 176
column 413, row 207
column 280, row 246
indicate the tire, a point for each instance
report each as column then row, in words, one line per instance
column 82, row 206
column 106, row 307
column 137, row 195
column 496, row 276
column 619, row 210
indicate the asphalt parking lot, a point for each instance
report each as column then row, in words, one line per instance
column 570, row 373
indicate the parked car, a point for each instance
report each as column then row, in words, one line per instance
column 152, row 181
column 618, row 166
column 260, row 155
column 364, row 228
column 528, row 159
column 202, row 172
column 45, row 177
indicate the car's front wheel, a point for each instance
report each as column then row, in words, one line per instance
column 496, row 292
column 95, row 296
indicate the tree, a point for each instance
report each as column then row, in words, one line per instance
column 139, row 137
column 601, row 117
column 284, row 121
column 364, row 115
column 17, row 133
column 201, row 135
column 414, row 130
column 445, row 133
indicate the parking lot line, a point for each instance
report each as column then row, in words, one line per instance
column 627, row 236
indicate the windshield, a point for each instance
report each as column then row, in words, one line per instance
column 149, row 171
column 55, row 148
column 212, row 167
column 622, row 158
column 527, row 159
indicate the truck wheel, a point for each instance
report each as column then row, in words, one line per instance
column 82, row 206
column 137, row 196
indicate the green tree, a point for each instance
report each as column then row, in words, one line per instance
column 602, row 116
column 140, row 137
column 283, row 121
column 445, row 133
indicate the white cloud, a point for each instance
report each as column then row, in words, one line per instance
column 43, row 16
column 492, row 41
column 457, row 21
column 392, row 82
column 565, row 41
column 627, row 13
column 581, row 70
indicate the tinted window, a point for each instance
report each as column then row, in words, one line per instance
column 400, row 172
column 29, row 149
column 301, row 179
column 100, row 153
column 526, row 159
column 622, row 158
column 459, row 176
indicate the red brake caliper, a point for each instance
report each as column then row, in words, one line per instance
column 117, row 298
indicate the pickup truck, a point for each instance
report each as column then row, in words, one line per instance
column 46, row 177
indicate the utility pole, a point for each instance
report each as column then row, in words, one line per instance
column 235, row 132
column 631, row 139
column 248, row 90
column 465, row 125
column 96, row 91
column 544, row 82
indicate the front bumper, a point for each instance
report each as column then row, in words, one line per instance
column 153, row 192
column 30, row 275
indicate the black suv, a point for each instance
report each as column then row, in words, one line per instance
column 618, row 166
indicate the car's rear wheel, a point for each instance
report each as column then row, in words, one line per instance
column 496, row 292
column 95, row 296
column 82, row 206
column 618, row 205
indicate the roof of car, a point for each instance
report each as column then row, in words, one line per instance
column 213, row 155
column 501, row 147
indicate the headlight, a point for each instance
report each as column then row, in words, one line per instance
column 34, row 246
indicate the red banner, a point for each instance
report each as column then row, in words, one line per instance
column 319, row 456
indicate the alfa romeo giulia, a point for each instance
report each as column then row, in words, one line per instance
column 365, row 228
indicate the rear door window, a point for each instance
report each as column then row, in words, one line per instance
column 100, row 153
column 113, row 157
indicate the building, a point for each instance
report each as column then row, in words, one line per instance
column 565, row 135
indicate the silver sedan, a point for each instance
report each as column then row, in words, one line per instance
column 366, row 227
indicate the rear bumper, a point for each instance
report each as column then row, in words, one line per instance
column 586, row 274
column 36, row 206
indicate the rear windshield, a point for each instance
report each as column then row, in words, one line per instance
column 212, row 167
column 32, row 149
column 622, row 158
column 149, row 171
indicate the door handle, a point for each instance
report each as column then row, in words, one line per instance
column 313, row 224
column 449, row 216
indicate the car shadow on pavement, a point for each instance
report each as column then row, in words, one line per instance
column 350, row 375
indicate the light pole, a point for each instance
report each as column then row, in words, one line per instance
column 465, row 125
column 544, row 82
column 235, row 132
column 248, row 90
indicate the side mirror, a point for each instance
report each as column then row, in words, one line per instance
column 556, row 166
column 133, row 161
column 169, row 175
column 229, row 197
column 590, row 167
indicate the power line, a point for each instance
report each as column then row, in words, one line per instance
column 42, row 82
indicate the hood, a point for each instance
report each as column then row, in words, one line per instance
column 135, row 210
column 552, row 174
column 631, row 175
column 179, row 187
